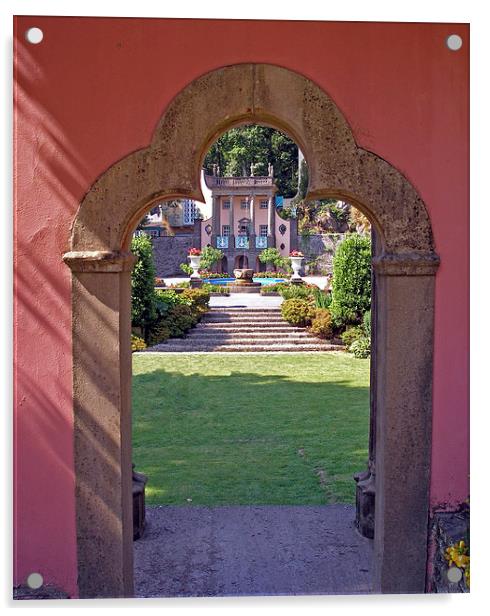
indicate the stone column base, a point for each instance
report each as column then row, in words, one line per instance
column 365, row 493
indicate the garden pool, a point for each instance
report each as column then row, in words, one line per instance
column 263, row 281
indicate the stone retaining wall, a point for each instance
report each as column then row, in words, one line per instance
column 319, row 250
column 170, row 251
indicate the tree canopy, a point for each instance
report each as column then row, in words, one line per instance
column 258, row 146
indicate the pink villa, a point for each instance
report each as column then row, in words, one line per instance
column 244, row 220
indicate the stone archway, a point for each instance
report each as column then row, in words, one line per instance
column 405, row 264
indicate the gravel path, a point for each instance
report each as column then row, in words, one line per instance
column 251, row 550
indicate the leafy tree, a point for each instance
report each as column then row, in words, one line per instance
column 258, row 146
column 143, row 299
column 351, row 284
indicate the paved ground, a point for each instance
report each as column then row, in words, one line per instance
column 251, row 550
column 245, row 300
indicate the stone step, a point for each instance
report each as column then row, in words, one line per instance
column 246, row 339
column 216, row 334
column 250, row 348
column 220, row 309
column 261, row 327
column 243, row 319
column 248, row 326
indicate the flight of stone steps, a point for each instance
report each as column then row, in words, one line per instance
column 245, row 329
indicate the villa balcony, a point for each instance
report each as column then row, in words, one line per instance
column 242, row 242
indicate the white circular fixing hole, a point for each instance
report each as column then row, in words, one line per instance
column 34, row 36
column 35, row 581
column 454, row 42
column 454, row 574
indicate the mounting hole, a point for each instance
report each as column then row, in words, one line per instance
column 454, row 574
column 454, row 42
column 35, row 581
column 34, row 36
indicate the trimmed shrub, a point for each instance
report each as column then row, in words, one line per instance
column 143, row 302
column 297, row 312
column 199, row 298
column 321, row 325
column 351, row 285
column 179, row 320
column 159, row 333
column 361, row 348
column 351, row 334
column 137, row 343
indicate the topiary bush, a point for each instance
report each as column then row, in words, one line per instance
column 143, row 300
column 297, row 311
column 351, row 284
column 297, row 291
column 159, row 333
column 321, row 324
column 199, row 298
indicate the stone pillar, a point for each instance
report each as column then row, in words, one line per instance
column 101, row 304
column 231, row 241
column 216, row 223
column 365, row 488
column 405, row 308
column 271, row 223
column 252, row 221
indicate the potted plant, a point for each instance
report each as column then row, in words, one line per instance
column 296, row 257
column 195, row 259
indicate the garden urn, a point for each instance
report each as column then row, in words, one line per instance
column 195, row 262
column 296, row 265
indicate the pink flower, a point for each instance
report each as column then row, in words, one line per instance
column 194, row 252
column 296, row 253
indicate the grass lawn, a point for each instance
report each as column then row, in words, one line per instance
column 248, row 428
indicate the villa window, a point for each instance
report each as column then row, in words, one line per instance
column 264, row 204
column 263, row 230
column 244, row 204
column 225, row 230
column 226, row 204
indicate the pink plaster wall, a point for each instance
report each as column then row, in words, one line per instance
column 93, row 91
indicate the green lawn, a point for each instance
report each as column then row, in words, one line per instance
column 250, row 428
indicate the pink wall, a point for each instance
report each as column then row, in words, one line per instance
column 93, row 91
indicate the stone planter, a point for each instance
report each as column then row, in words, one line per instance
column 195, row 262
column 296, row 265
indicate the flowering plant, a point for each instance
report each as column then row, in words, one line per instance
column 296, row 253
column 458, row 555
column 194, row 252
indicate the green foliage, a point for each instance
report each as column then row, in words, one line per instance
column 143, row 304
column 159, row 333
column 177, row 313
column 186, row 268
column 297, row 312
column 239, row 148
column 352, row 334
column 137, row 343
column 199, row 298
column 295, row 291
column 321, row 324
column 209, row 257
column 361, row 348
column 351, row 285
column 215, row 288
column 270, row 275
column 273, row 256
column 322, row 298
